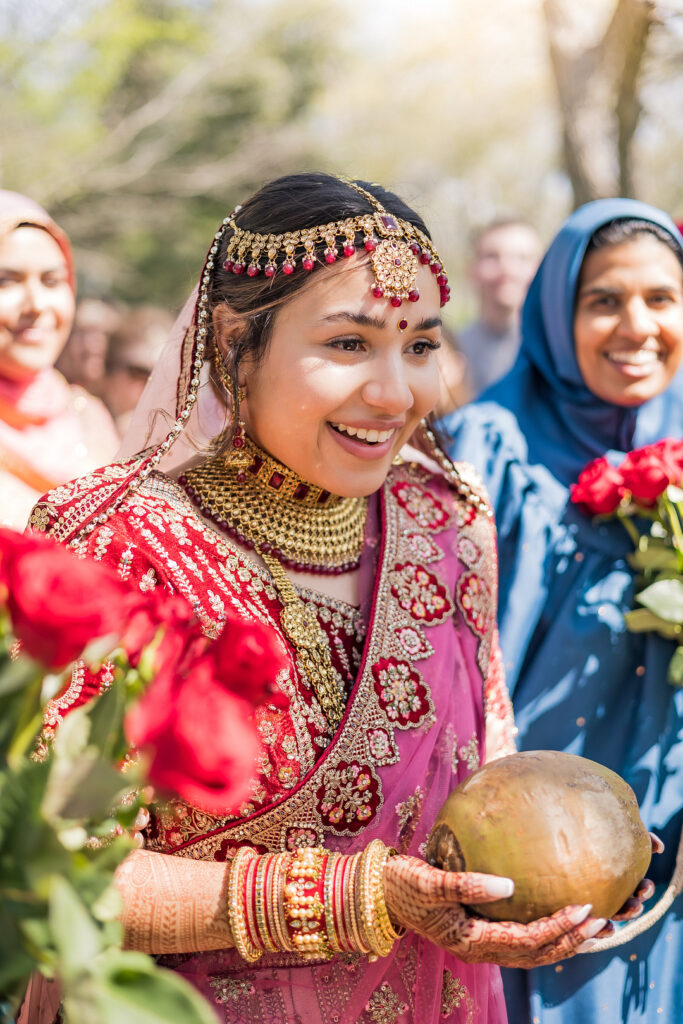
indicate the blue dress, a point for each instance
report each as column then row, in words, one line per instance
column 580, row 682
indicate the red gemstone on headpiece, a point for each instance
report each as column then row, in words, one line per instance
column 228, row 265
column 237, row 268
column 252, row 270
column 370, row 244
column 395, row 301
column 330, row 257
column 276, row 481
column 301, row 492
column 402, row 324
column 308, row 263
column 241, row 477
column 378, row 291
column 424, row 258
column 287, row 267
column 238, row 442
column 322, row 497
column 442, row 280
column 415, row 248
column 435, row 268
column 397, row 263
column 413, row 295
column 269, row 270
column 349, row 250
column 389, row 221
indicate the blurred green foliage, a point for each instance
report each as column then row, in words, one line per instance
column 140, row 123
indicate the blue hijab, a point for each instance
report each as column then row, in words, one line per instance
column 565, row 424
column 580, row 682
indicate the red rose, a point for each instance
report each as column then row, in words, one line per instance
column 58, row 603
column 648, row 471
column 148, row 614
column 247, row 660
column 200, row 740
column 600, row 487
column 671, row 451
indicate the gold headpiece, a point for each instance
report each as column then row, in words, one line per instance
column 396, row 249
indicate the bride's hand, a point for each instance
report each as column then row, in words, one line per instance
column 429, row 901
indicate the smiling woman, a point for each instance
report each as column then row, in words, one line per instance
column 300, row 484
column 49, row 432
column 598, row 375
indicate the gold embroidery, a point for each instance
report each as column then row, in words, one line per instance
column 453, row 994
column 385, row 1006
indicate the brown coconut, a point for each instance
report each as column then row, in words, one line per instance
column 565, row 829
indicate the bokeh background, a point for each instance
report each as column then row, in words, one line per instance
column 140, row 123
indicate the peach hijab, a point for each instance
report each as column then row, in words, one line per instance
column 50, row 432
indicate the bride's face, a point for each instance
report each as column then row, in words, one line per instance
column 346, row 378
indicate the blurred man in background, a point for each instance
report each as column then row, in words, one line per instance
column 83, row 359
column 506, row 254
column 134, row 349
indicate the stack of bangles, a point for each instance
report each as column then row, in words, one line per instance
column 310, row 902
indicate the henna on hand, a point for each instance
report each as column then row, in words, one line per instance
column 173, row 904
column 429, row 901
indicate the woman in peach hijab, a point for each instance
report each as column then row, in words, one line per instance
column 50, row 432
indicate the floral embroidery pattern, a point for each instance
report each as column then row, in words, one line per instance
column 421, row 506
column 384, row 1006
column 453, row 994
column 474, row 597
column 402, row 694
column 424, row 547
column 349, row 795
column 469, row 753
column 468, row 552
column 300, row 837
column 230, row 990
column 382, row 750
column 413, row 643
column 420, row 593
column 408, row 814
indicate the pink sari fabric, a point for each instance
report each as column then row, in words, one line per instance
column 429, row 565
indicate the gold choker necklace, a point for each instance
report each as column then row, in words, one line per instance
column 265, row 505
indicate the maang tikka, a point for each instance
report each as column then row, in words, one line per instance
column 396, row 247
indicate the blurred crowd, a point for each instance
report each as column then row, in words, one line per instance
column 111, row 352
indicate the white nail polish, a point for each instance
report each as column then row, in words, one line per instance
column 580, row 915
column 585, row 946
column 595, row 927
column 501, row 888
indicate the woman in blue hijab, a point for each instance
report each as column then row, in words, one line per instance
column 602, row 338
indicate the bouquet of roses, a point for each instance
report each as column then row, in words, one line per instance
column 69, row 803
column 645, row 492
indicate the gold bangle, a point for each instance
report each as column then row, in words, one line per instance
column 332, row 938
column 277, row 901
column 352, row 908
column 371, row 872
column 260, row 900
column 237, row 897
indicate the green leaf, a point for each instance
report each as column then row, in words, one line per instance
column 665, row 599
column 642, row 621
column 82, row 788
column 675, row 673
column 128, row 986
column 16, row 675
column 77, row 937
column 653, row 556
